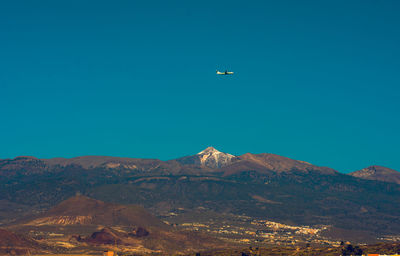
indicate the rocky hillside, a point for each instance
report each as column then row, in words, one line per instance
column 82, row 210
column 82, row 222
column 376, row 172
column 257, row 185
column 271, row 163
column 13, row 244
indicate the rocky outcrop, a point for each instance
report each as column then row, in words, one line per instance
column 380, row 173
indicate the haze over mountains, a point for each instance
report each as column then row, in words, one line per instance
column 266, row 186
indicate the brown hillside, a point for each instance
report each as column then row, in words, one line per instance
column 380, row 173
column 81, row 210
column 270, row 162
column 88, row 222
column 88, row 162
column 13, row 244
column 22, row 165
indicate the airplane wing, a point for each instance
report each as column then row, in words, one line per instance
column 224, row 73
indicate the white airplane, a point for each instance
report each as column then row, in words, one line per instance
column 224, row 73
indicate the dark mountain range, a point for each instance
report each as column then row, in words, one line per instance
column 378, row 173
column 264, row 186
column 22, row 165
column 209, row 159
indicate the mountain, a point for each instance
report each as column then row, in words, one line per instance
column 82, row 210
column 210, row 157
column 14, row 244
column 259, row 186
column 376, row 172
column 90, row 162
column 82, row 222
column 264, row 163
column 267, row 163
column 22, row 165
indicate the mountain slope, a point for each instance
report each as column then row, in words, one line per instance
column 210, row 157
column 380, row 173
column 22, row 165
column 267, row 163
column 257, row 185
column 84, row 222
column 90, row 162
column 13, row 244
column 82, row 210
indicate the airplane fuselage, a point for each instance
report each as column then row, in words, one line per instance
column 224, row 73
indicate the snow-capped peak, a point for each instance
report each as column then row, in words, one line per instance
column 209, row 150
column 213, row 158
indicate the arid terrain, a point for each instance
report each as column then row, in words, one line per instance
column 205, row 203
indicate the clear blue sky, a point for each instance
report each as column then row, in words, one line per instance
column 314, row 80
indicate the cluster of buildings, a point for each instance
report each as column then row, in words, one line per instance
column 247, row 230
column 305, row 230
column 390, row 238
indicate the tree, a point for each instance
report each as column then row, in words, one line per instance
column 358, row 250
column 350, row 250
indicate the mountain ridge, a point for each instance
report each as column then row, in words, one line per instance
column 257, row 185
column 376, row 172
column 209, row 159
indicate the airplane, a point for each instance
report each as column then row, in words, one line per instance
column 224, row 73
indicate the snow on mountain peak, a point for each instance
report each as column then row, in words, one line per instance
column 213, row 158
column 208, row 151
